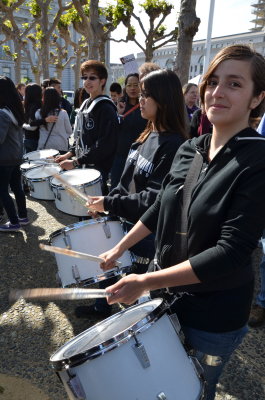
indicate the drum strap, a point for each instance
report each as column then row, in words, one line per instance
column 46, row 141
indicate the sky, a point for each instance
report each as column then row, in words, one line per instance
column 230, row 16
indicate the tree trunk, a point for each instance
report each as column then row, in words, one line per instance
column 17, row 67
column 93, row 27
column 188, row 27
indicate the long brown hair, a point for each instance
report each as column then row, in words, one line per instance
column 242, row 53
column 165, row 89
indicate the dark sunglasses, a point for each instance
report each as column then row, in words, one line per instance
column 91, row 78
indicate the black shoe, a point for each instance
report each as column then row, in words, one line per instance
column 87, row 311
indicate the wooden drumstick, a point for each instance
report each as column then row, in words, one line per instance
column 81, row 197
column 84, row 198
column 72, row 253
column 57, row 294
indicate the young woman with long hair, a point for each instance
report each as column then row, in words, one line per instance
column 11, row 152
column 149, row 160
column 204, row 246
column 131, row 125
column 53, row 135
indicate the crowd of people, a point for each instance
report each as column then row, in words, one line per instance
column 183, row 169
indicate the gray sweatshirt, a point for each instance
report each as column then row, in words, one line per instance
column 11, row 139
column 60, row 133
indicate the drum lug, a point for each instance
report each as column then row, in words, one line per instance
column 161, row 396
column 75, row 273
column 175, row 322
column 67, row 241
column 140, row 352
column 31, row 187
column 107, row 231
column 75, row 386
column 58, row 195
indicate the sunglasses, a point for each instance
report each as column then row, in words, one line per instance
column 90, row 78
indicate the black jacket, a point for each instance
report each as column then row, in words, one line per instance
column 225, row 220
column 146, row 166
column 98, row 139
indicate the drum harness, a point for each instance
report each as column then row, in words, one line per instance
column 80, row 148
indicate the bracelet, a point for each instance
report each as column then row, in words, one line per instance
column 75, row 163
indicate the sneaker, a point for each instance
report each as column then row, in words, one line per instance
column 87, row 311
column 23, row 221
column 257, row 316
column 8, row 227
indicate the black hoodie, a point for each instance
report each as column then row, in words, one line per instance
column 225, row 221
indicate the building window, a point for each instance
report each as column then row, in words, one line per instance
column 201, row 69
column 195, row 68
column 6, row 71
column 191, row 68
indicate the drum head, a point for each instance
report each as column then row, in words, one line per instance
column 108, row 333
column 76, row 177
column 43, row 172
column 36, row 155
column 28, row 165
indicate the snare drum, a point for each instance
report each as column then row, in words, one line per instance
column 25, row 167
column 93, row 237
column 38, row 180
column 134, row 354
column 87, row 180
column 41, row 154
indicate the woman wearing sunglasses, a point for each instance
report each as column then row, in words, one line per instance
column 149, row 160
column 96, row 125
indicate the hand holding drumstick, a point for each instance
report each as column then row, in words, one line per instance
column 95, row 204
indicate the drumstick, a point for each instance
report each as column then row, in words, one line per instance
column 57, row 294
column 72, row 253
column 82, row 197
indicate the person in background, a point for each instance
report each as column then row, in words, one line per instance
column 257, row 314
column 149, row 160
column 115, row 92
column 191, row 95
column 131, row 125
column 45, row 83
column 11, row 152
column 80, row 96
column 53, row 135
column 96, row 125
column 65, row 104
column 147, row 67
column 21, row 90
column 32, row 102
column 200, row 124
column 208, row 217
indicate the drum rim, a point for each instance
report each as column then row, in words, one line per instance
column 80, row 185
column 112, row 273
column 44, row 178
column 116, row 341
column 82, row 224
column 35, row 151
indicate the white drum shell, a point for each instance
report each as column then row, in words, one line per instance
column 87, row 237
column 40, row 154
column 69, row 204
column 38, row 180
column 119, row 375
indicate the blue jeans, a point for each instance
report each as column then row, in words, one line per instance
column 11, row 175
column 215, row 344
column 260, row 300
